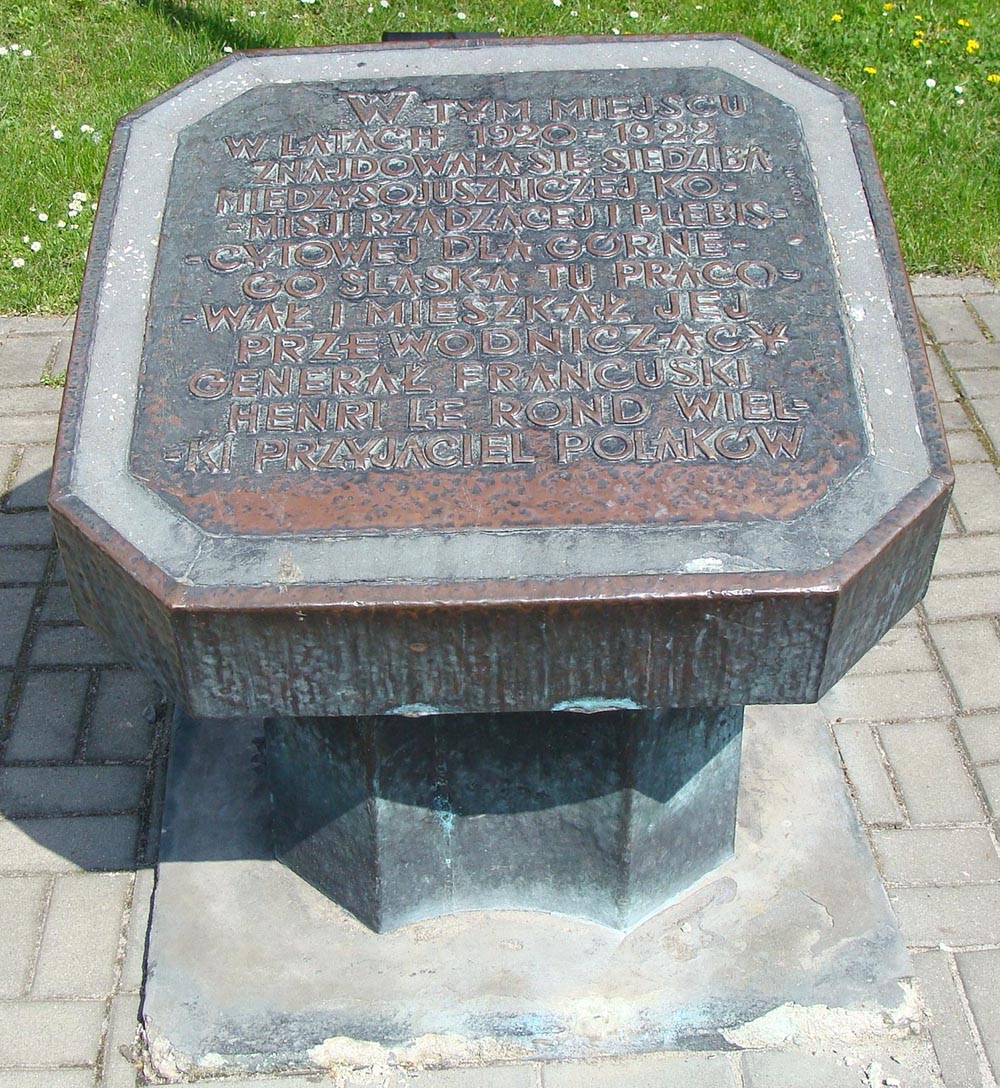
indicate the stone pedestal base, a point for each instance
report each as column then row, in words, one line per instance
column 249, row 969
column 599, row 816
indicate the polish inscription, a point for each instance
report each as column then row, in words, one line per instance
column 397, row 307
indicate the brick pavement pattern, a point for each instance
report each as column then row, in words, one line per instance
column 82, row 747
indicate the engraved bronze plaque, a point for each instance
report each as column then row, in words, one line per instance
column 496, row 377
column 548, row 299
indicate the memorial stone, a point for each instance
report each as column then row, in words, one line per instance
column 495, row 421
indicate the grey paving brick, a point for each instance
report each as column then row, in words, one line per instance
column 911, row 619
column 494, row 1076
column 50, row 1033
column 23, row 358
column 15, row 608
column 503, row 1076
column 981, row 733
column 119, row 729
column 949, row 320
column 361, row 1079
column 901, row 650
column 30, row 400
column 47, row 1078
column 135, row 940
column 953, row 1041
column 30, row 429
column 8, row 455
column 980, row 972
column 21, row 901
column 977, row 497
column 952, row 526
column 988, row 414
column 649, row 1071
column 785, row 1069
column 931, row 775
column 968, row 555
column 58, row 791
column 924, row 286
column 970, row 653
column 980, row 384
column 965, row 446
column 17, row 530
column 60, row 360
column 48, row 718
column 988, row 308
column 952, row 855
column 989, row 779
column 119, row 1072
column 71, row 646
column 877, row 698
column 867, row 773
column 39, row 324
column 22, row 564
column 954, row 417
column 954, row 598
column 31, row 485
column 951, row 916
column 943, row 384
column 929, row 284
column 82, row 930
column 965, row 357
column 67, row 843
column 58, row 607
column 59, row 573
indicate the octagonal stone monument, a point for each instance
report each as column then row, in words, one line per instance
column 424, row 398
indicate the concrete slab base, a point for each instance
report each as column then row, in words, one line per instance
column 250, row 969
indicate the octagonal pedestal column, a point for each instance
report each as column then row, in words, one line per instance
column 601, row 816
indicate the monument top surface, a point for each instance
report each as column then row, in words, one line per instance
column 509, row 311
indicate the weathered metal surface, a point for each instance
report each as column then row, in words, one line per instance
column 584, row 303
column 603, row 816
column 494, row 376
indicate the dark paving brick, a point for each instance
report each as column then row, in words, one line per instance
column 15, row 608
column 22, row 564
column 119, row 728
column 34, row 527
column 57, row 791
column 71, row 646
column 48, row 719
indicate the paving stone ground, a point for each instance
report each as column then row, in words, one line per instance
column 83, row 736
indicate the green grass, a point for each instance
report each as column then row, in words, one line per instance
column 92, row 60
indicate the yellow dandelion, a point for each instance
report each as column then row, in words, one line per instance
column 917, row 42
column 993, row 77
column 964, row 22
column 972, row 46
column 919, row 18
column 888, row 7
column 836, row 17
column 870, row 70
